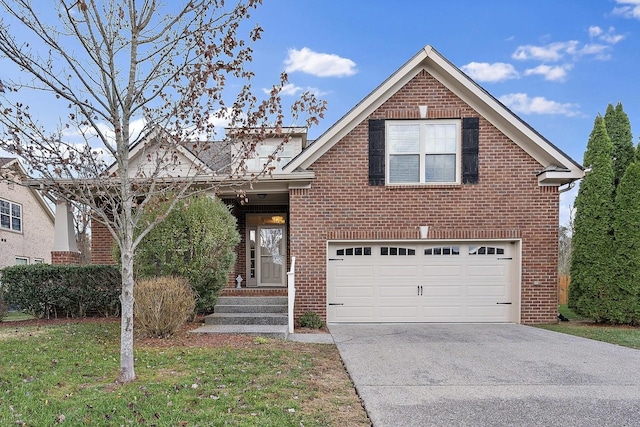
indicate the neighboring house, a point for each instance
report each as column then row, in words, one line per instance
column 26, row 220
column 429, row 201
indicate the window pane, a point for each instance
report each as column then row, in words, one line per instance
column 403, row 139
column 4, row 221
column 15, row 210
column 404, row 168
column 15, row 224
column 441, row 138
column 440, row 168
column 4, row 207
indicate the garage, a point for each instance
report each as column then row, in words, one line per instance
column 446, row 281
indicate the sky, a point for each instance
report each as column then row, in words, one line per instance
column 555, row 63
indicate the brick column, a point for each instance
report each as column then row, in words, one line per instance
column 65, row 258
column 101, row 244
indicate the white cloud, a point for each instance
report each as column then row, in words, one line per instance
column 594, row 31
column 523, row 104
column 485, row 72
column 319, row 64
column 550, row 73
column 629, row 9
column 608, row 36
column 292, row 90
column 552, row 52
column 288, row 89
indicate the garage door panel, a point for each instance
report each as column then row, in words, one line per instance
column 486, row 270
column 354, row 291
column 354, row 313
column 442, row 270
column 443, row 313
column 390, row 291
column 354, row 271
column 488, row 312
column 486, row 290
column 474, row 284
column 398, row 271
column 398, row 313
column 449, row 290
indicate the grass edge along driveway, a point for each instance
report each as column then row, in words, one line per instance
column 627, row 336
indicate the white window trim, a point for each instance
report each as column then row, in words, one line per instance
column 21, row 218
column 423, row 153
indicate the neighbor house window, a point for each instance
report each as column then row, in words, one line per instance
column 10, row 215
column 423, row 151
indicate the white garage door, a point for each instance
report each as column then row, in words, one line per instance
column 420, row 282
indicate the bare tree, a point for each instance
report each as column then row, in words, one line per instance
column 565, row 233
column 109, row 66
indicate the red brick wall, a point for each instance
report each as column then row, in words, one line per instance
column 506, row 203
column 65, row 258
column 101, row 244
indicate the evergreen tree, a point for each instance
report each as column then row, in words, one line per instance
column 625, row 302
column 592, row 254
column 619, row 130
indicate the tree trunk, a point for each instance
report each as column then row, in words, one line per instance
column 127, row 372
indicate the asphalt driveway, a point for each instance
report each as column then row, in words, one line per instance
column 488, row 375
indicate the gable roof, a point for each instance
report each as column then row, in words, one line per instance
column 149, row 142
column 557, row 167
column 14, row 165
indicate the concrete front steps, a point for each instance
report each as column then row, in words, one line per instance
column 263, row 316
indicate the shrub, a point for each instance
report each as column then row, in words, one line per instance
column 162, row 305
column 310, row 320
column 196, row 241
column 44, row 290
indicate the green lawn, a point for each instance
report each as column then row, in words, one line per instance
column 64, row 374
column 621, row 335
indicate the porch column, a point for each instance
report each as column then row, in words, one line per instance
column 65, row 249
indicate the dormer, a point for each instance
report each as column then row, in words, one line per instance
column 285, row 143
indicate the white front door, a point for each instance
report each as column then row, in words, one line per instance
column 272, row 260
column 266, row 250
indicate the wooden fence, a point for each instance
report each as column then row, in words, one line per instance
column 563, row 288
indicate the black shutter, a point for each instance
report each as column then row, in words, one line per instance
column 376, row 151
column 470, row 137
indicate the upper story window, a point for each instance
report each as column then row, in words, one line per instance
column 423, row 151
column 10, row 215
column 271, row 153
column 282, row 154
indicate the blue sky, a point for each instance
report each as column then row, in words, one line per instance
column 555, row 63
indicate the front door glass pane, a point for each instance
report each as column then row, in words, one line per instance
column 272, row 255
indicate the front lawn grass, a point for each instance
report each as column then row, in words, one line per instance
column 64, row 374
column 627, row 336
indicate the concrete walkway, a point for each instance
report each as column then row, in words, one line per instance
column 488, row 375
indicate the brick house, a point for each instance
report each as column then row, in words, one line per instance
column 429, row 201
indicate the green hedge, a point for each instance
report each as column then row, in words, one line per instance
column 62, row 290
